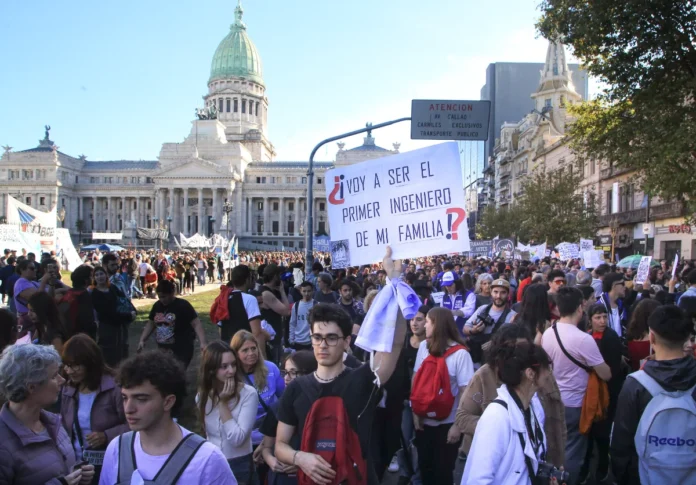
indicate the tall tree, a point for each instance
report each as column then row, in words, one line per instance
column 503, row 222
column 555, row 210
column 645, row 119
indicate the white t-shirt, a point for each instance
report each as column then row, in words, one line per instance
column 143, row 267
column 84, row 413
column 207, row 466
column 460, row 368
column 615, row 321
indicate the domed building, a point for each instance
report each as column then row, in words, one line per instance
column 227, row 159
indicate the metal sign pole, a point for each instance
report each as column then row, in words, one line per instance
column 309, row 230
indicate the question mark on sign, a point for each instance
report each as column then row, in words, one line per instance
column 454, row 225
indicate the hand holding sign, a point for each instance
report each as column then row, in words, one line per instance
column 643, row 268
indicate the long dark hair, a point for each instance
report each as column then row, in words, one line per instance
column 210, row 363
column 46, row 310
column 444, row 331
column 535, row 310
column 82, row 350
column 638, row 324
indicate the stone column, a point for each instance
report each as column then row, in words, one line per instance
column 200, row 211
column 298, row 222
column 216, row 208
column 282, row 223
column 95, row 206
column 266, row 215
column 185, row 212
column 239, row 224
column 124, row 212
column 248, row 227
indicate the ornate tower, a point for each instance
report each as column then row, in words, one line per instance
column 556, row 89
column 237, row 90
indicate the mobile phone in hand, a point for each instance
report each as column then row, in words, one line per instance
column 78, row 466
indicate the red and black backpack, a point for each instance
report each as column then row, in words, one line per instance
column 327, row 433
column 431, row 394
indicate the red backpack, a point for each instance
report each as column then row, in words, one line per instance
column 327, row 433
column 431, row 395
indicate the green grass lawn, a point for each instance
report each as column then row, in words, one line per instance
column 202, row 302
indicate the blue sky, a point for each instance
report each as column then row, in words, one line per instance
column 117, row 79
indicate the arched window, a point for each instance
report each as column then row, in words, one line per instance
column 228, row 105
column 243, row 105
column 220, row 105
column 236, row 105
column 257, row 108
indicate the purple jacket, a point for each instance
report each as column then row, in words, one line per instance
column 26, row 457
column 107, row 411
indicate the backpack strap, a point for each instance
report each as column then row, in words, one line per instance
column 178, row 460
column 527, row 460
column 126, row 457
column 452, row 350
column 501, row 319
column 570, row 357
column 653, row 387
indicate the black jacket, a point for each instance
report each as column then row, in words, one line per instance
column 672, row 375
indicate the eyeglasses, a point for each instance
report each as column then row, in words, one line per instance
column 331, row 339
column 291, row 373
column 72, row 367
column 559, row 282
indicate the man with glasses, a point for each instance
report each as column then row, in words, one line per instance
column 613, row 293
column 358, row 390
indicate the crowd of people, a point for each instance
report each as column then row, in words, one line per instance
column 479, row 371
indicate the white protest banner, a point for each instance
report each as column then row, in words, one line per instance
column 586, row 245
column 568, row 251
column 38, row 226
column 437, row 297
column 674, row 266
column 592, row 258
column 538, row 251
column 412, row 201
column 643, row 269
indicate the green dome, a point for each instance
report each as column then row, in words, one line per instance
column 236, row 56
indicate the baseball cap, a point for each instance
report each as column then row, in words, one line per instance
column 447, row 279
column 501, row 283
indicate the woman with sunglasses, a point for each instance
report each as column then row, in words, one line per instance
column 24, row 288
column 91, row 405
column 296, row 364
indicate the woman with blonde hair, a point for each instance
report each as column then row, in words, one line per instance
column 227, row 408
column 261, row 374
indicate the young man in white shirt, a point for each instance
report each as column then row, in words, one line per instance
column 299, row 321
column 153, row 387
column 571, row 378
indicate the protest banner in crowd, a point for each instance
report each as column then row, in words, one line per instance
column 412, row 201
column 482, row 248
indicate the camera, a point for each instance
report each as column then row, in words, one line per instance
column 547, row 471
column 486, row 319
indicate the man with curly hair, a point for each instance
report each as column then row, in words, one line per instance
column 153, row 388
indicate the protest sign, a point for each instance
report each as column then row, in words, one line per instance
column 480, row 248
column 37, row 226
column 593, row 258
column 412, row 201
column 437, row 297
column 504, row 245
column 674, row 266
column 567, row 251
column 586, row 245
column 321, row 243
column 643, row 269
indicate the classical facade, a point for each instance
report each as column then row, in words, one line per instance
column 225, row 160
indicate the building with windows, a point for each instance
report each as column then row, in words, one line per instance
column 228, row 159
column 538, row 142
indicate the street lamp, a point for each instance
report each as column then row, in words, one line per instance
column 61, row 216
column 169, row 229
column 614, row 226
column 227, row 207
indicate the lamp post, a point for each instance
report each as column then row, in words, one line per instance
column 155, row 222
column 169, row 229
column 227, row 207
column 614, row 226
